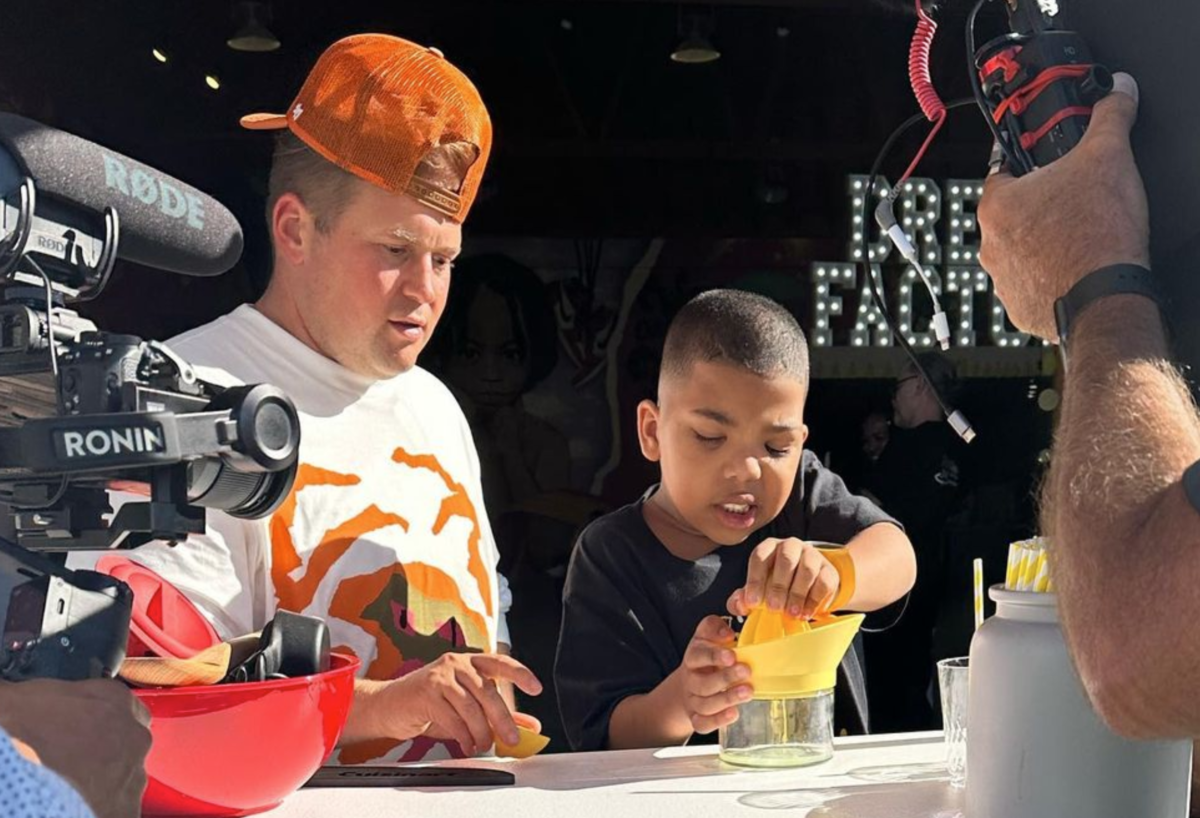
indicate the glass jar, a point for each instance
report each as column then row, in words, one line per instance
column 791, row 732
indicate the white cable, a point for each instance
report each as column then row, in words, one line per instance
column 959, row 423
column 941, row 329
column 885, row 217
column 941, row 324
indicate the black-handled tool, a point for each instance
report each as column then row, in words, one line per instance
column 385, row 776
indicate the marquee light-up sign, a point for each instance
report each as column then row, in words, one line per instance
column 965, row 289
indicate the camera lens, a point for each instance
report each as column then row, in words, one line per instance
column 214, row 483
column 273, row 429
column 267, row 426
column 254, row 478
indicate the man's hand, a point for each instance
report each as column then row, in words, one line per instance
column 791, row 575
column 1045, row 231
column 454, row 697
column 714, row 684
column 95, row 734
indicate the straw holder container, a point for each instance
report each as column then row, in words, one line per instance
column 1035, row 746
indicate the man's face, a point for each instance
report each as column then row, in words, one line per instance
column 370, row 291
column 729, row 444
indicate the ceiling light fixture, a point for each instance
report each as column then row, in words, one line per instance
column 695, row 48
column 251, row 20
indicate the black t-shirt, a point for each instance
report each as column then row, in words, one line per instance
column 630, row 606
column 918, row 479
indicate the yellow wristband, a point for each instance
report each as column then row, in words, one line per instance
column 843, row 563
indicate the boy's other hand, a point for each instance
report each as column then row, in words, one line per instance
column 714, row 684
column 788, row 575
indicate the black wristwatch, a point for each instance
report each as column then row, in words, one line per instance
column 1115, row 280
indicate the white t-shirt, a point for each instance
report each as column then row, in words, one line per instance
column 384, row 535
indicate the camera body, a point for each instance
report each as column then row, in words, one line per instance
column 79, row 414
column 86, row 414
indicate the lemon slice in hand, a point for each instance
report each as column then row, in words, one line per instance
column 765, row 625
column 528, row 744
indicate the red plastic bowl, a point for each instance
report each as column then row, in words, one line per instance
column 238, row 749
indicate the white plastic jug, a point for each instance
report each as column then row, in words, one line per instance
column 1035, row 746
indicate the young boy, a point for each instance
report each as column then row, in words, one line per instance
column 644, row 657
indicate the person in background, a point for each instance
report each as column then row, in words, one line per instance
column 498, row 341
column 874, row 435
column 917, row 481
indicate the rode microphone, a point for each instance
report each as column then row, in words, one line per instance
column 79, row 193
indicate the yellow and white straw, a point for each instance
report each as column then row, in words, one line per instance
column 1041, row 581
column 1028, row 567
column 1015, row 553
column 978, row 571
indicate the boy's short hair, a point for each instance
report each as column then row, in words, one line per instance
column 740, row 329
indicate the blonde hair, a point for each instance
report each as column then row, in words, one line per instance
column 446, row 165
column 327, row 189
column 296, row 168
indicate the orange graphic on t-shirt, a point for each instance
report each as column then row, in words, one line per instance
column 433, row 599
column 458, row 504
column 435, row 594
column 431, row 602
column 296, row 594
column 284, row 557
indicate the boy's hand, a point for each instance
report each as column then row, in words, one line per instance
column 714, row 684
column 790, row 575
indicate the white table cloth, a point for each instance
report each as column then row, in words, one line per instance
column 890, row 776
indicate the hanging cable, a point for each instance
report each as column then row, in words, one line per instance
column 957, row 420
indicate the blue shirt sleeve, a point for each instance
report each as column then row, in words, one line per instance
column 28, row 790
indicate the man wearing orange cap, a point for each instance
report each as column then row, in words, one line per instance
column 385, row 536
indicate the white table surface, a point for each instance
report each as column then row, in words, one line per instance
column 890, row 776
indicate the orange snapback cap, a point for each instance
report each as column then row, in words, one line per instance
column 376, row 105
